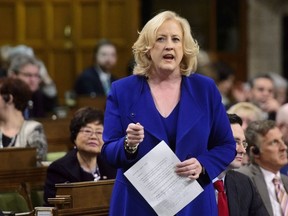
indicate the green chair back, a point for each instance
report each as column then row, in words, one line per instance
column 13, row 201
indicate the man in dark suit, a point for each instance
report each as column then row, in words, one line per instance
column 243, row 198
column 96, row 80
column 268, row 154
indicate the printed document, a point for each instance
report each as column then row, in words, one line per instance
column 155, row 178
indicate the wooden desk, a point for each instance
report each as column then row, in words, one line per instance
column 18, row 172
column 95, row 211
column 23, row 181
column 17, row 158
column 32, row 175
column 87, row 194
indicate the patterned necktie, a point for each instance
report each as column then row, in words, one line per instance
column 222, row 199
column 281, row 195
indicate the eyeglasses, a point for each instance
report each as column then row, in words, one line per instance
column 243, row 143
column 29, row 75
column 89, row 132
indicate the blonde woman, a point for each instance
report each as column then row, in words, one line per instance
column 165, row 100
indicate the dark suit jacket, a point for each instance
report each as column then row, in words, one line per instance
column 42, row 105
column 89, row 83
column 257, row 177
column 203, row 131
column 243, row 198
column 67, row 169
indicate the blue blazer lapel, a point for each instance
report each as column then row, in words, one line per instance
column 151, row 120
column 189, row 111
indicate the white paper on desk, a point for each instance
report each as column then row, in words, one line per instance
column 155, row 178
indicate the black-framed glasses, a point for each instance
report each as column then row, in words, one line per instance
column 243, row 143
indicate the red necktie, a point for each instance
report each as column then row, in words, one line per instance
column 222, row 199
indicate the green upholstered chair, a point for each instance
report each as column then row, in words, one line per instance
column 13, row 201
column 52, row 156
column 37, row 197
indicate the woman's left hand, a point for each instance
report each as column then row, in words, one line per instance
column 190, row 168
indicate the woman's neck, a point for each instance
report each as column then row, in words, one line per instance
column 12, row 123
column 164, row 74
column 87, row 162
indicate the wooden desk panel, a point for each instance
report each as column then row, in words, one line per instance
column 17, row 158
column 84, row 212
column 32, row 175
column 88, row 194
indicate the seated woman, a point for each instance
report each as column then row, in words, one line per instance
column 84, row 162
column 15, row 131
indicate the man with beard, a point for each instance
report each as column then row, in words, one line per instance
column 96, row 80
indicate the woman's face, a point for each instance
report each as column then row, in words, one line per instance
column 89, row 139
column 167, row 52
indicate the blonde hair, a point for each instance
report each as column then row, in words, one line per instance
column 249, row 108
column 147, row 38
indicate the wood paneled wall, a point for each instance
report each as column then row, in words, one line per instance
column 63, row 33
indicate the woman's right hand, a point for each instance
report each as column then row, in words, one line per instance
column 135, row 134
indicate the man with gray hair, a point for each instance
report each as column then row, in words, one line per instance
column 268, row 154
column 27, row 68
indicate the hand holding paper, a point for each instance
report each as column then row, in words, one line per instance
column 155, row 178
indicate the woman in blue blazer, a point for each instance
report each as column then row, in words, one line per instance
column 164, row 100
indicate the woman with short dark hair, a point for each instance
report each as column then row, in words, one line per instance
column 84, row 162
column 15, row 131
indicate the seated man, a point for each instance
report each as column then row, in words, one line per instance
column 242, row 196
column 27, row 68
column 96, row 80
column 261, row 94
column 268, row 154
column 84, row 162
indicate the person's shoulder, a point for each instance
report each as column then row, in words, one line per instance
column 203, row 85
column 248, row 170
column 66, row 159
column 196, row 77
column 89, row 71
column 238, row 175
column 32, row 124
column 283, row 176
column 129, row 81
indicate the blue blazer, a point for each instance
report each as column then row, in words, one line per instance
column 203, row 132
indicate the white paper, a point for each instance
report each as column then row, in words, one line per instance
column 155, row 178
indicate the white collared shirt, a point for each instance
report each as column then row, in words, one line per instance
column 269, row 176
column 105, row 80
